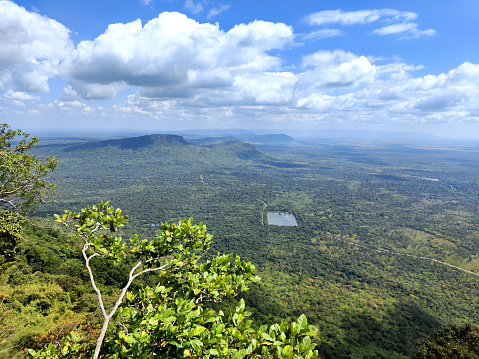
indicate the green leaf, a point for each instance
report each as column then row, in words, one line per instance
column 195, row 331
column 302, row 324
column 196, row 344
column 127, row 338
column 294, row 329
column 220, row 328
column 287, row 352
column 240, row 307
column 305, row 345
column 32, row 352
column 240, row 354
column 267, row 337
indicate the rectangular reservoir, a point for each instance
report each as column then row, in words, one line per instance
column 281, row 219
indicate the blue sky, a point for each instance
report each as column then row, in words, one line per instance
column 166, row 65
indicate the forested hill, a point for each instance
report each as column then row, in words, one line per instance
column 165, row 150
column 132, row 143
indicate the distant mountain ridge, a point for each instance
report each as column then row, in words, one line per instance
column 210, row 141
column 134, row 142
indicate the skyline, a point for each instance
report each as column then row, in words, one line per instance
column 162, row 65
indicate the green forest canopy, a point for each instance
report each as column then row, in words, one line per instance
column 352, row 203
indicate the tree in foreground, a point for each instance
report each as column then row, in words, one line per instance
column 23, row 184
column 174, row 318
column 451, row 342
column 23, row 177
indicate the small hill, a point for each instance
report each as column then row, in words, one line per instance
column 247, row 152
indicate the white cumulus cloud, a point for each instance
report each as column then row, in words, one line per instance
column 267, row 88
column 344, row 77
column 20, row 96
column 31, row 48
column 171, row 55
column 328, row 59
column 174, row 68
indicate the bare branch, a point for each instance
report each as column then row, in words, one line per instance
column 108, row 317
column 9, row 202
column 92, row 278
column 150, row 270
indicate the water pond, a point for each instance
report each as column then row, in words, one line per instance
column 281, row 219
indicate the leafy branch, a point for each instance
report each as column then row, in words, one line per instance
column 23, row 177
column 172, row 319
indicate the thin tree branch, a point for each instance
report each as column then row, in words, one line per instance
column 8, row 202
column 150, row 270
column 92, row 278
column 108, row 317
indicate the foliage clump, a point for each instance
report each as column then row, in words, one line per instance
column 452, row 342
column 173, row 318
column 23, row 177
column 11, row 225
column 23, row 184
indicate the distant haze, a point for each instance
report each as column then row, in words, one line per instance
column 288, row 136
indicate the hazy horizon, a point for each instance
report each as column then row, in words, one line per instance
column 50, row 136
